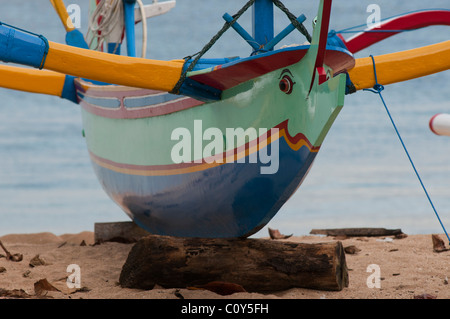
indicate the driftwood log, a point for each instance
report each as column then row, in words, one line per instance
column 357, row 232
column 122, row 232
column 258, row 265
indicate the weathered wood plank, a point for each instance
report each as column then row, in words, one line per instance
column 357, row 232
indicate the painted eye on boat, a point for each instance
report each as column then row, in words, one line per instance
column 286, row 84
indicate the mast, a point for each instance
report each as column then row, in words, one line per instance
column 263, row 21
column 129, row 26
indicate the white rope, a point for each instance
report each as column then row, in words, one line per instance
column 104, row 20
column 144, row 29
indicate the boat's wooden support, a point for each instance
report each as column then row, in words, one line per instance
column 258, row 265
column 357, row 232
column 124, row 232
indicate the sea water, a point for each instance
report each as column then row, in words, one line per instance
column 360, row 178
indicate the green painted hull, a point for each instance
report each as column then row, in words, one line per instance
column 259, row 104
column 133, row 154
column 148, row 148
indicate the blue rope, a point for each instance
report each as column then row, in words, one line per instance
column 377, row 88
column 47, row 47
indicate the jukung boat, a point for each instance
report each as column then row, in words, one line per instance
column 213, row 147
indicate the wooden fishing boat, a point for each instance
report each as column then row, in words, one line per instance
column 214, row 147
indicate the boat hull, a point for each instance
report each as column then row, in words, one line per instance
column 219, row 188
column 230, row 200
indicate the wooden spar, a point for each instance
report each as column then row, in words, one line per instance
column 128, row 6
column 241, row 31
column 115, row 69
column 401, row 66
column 63, row 15
column 154, row 9
column 263, row 21
column 357, row 232
column 29, row 49
column 322, row 43
column 163, row 75
column 73, row 36
column 392, row 26
column 35, row 81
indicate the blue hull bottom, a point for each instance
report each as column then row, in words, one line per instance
column 229, row 200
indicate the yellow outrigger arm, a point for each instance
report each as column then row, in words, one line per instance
column 401, row 66
column 164, row 75
column 61, row 10
column 32, row 80
column 114, row 69
column 73, row 36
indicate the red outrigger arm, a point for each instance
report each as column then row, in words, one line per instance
column 395, row 25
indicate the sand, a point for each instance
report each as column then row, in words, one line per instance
column 408, row 268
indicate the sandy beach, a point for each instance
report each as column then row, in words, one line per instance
column 408, row 268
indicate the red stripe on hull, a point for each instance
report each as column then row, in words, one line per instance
column 410, row 21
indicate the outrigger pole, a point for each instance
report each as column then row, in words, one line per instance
column 73, row 36
column 22, row 47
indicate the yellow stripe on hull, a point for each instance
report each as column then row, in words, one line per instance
column 214, row 161
column 401, row 66
column 31, row 80
column 111, row 68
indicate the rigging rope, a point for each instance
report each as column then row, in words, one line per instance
column 103, row 21
column 377, row 88
column 293, row 20
column 144, row 29
column 108, row 17
column 225, row 27
column 198, row 55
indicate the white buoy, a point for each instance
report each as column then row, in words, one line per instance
column 440, row 124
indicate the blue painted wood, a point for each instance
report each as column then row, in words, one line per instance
column 241, row 31
column 248, row 203
column 114, row 48
column 128, row 6
column 69, row 92
column 22, row 47
column 75, row 38
column 269, row 46
column 263, row 21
